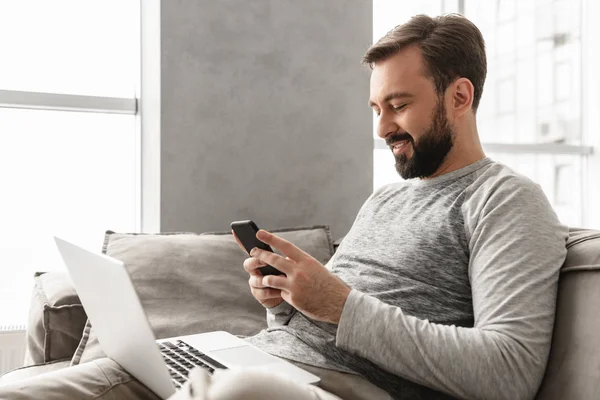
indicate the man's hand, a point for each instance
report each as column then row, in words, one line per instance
column 266, row 296
column 308, row 286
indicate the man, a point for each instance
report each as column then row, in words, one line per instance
column 444, row 287
column 446, row 284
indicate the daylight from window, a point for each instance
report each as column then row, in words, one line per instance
column 69, row 173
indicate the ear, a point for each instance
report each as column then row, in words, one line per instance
column 462, row 96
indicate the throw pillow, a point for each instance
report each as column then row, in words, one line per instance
column 192, row 283
column 56, row 319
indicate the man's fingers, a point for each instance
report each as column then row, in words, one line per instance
column 283, row 264
column 252, row 264
column 255, row 281
column 275, row 282
column 287, row 248
column 265, row 294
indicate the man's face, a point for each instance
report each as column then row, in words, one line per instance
column 411, row 116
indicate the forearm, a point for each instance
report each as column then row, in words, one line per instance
column 280, row 315
column 469, row 363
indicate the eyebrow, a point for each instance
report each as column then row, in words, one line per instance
column 396, row 95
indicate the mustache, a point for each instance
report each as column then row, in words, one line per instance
column 391, row 140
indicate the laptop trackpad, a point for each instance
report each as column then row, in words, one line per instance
column 245, row 356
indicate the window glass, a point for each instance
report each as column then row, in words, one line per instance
column 70, row 46
column 68, row 174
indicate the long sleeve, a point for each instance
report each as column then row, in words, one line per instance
column 517, row 247
column 280, row 314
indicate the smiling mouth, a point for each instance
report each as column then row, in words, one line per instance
column 399, row 146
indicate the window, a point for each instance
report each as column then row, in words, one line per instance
column 535, row 115
column 69, row 133
column 563, row 184
column 562, row 85
column 506, row 96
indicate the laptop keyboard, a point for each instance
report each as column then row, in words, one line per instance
column 181, row 358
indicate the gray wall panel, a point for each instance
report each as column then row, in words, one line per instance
column 264, row 113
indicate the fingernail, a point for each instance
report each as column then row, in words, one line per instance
column 253, row 251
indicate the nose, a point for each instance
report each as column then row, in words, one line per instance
column 386, row 126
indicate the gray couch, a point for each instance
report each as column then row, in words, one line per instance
column 59, row 336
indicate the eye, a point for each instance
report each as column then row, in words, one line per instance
column 399, row 108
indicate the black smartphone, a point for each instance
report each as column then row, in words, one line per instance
column 246, row 232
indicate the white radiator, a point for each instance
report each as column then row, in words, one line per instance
column 12, row 347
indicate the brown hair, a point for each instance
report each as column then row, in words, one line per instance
column 452, row 47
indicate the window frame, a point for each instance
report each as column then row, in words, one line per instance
column 67, row 102
column 149, row 118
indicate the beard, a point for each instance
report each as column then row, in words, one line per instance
column 431, row 150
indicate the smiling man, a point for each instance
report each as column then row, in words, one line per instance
column 444, row 287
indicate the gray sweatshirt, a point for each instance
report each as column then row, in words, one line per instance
column 454, row 283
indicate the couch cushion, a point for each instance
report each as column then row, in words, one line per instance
column 190, row 283
column 573, row 370
column 56, row 319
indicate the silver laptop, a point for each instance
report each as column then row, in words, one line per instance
column 114, row 309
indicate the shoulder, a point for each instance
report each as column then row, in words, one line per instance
column 497, row 184
column 499, row 196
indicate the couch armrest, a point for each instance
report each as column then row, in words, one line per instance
column 56, row 319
